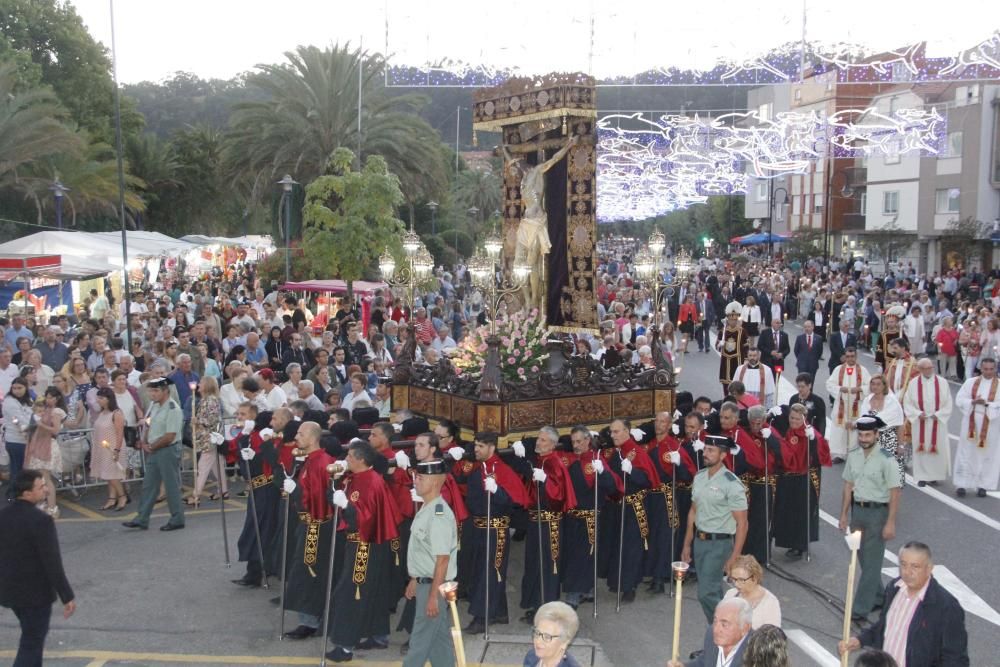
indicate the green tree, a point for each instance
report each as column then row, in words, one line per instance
column 887, row 242
column 803, row 244
column 312, row 109
column 965, row 238
column 349, row 217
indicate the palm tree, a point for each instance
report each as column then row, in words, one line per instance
column 313, row 110
column 31, row 127
column 477, row 188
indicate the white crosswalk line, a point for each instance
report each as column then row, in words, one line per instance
column 812, row 648
column 970, row 602
column 954, row 504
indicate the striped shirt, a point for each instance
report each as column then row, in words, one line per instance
column 897, row 621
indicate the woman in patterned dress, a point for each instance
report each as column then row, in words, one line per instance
column 43, row 451
column 107, row 460
column 208, row 421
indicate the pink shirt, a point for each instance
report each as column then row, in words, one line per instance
column 897, row 621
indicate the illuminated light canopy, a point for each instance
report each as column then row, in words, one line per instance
column 647, row 167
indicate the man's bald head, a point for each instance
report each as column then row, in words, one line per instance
column 926, row 367
column 308, row 435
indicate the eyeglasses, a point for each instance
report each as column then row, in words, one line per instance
column 740, row 580
column 544, row 636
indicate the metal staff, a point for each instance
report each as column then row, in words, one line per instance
column 767, row 508
column 679, row 568
column 673, row 529
column 256, row 522
column 486, row 574
column 853, row 543
column 331, row 470
column 286, row 508
column 621, row 538
column 541, row 565
column 222, row 505
column 808, row 500
column 193, row 386
column 596, row 503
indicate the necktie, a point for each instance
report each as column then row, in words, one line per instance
column 809, row 341
column 776, row 345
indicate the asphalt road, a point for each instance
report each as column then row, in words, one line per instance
column 151, row 598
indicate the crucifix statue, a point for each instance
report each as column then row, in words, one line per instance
column 532, row 231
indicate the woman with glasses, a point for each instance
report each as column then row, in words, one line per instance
column 746, row 575
column 555, row 628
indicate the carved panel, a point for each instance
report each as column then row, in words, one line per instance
column 582, row 410
column 422, row 401
column 463, row 412
column 663, row 400
column 400, row 396
column 489, row 417
column 442, row 405
column 529, row 415
column 633, row 404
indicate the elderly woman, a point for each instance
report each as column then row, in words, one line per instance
column 746, row 575
column 43, row 374
column 294, row 372
column 555, row 628
column 209, row 421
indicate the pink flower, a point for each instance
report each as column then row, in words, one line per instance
column 534, row 369
column 505, row 341
column 527, row 354
column 511, row 360
column 482, row 348
column 520, row 371
column 523, row 342
column 517, row 352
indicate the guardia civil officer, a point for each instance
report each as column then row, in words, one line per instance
column 431, row 559
column 717, row 522
column 871, row 496
column 162, row 446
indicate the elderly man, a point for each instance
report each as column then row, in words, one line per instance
column 306, row 393
column 550, row 495
column 256, row 354
column 921, row 623
column 977, row 457
column 725, row 643
column 443, row 342
column 757, row 378
column 54, row 352
column 127, row 365
column 847, row 385
column 17, row 329
column 927, row 404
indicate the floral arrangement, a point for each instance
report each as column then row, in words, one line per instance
column 522, row 347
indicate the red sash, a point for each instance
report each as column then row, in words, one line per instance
column 937, row 406
column 972, row 415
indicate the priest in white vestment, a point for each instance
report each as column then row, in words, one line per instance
column 977, row 457
column 928, row 406
column 757, row 378
column 847, row 385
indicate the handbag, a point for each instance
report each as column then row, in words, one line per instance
column 74, row 452
column 132, row 437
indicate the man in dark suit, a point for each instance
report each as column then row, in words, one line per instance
column 930, row 635
column 840, row 341
column 706, row 310
column 773, row 346
column 808, row 350
column 31, row 571
column 727, row 635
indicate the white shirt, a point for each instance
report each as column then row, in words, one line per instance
column 275, row 399
column 7, row 376
column 727, row 661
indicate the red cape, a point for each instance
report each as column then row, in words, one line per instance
column 753, row 452
column 453, row 496
column 661, row 449
column 255, row 442
column 400, row 486
column 507, row 479
column 793, row 451
column 558, row 485
column 377, row 516
column 314, row 484
column 745, row 442
column 639, row 458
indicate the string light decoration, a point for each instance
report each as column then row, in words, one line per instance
column 647, row 167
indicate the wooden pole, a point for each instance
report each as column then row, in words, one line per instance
column 449, row 590
column 680, row 568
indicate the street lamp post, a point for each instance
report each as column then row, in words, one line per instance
column 491, row 278
column 433, row 206
column 473, row 212
column 58, row 191
column 287, row 183
column 777, row 211
column 419, row 265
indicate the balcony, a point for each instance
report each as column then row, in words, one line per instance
column 852, row 222
column 857, row 177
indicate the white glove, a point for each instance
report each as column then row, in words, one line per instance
column 598, row 466
column 266, row 433
column 340, row 499
column 626, row 466
column 490, row 485
column 456, row 453
column 217, row 438
column 765, row 432
column 402, row 460
column 637, row 434
column 698, row 445
column 810, row 432
column 288, row 486
column 415, row 497
column 247, row 454
column 775, row 411
column 594, row 434
column 518, row 449
column 539, row 475
column 675, row 429
column 678, row 414
column 248, row 427
column 675, row 458
column 398, row 428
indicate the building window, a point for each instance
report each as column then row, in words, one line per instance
column 796, row 205
column 948, row 201
column 954, row 147
column 761, row 194
column 764, row 112
column 863, row 204
column 817, row 203
column 890, row 202
column 892, row 152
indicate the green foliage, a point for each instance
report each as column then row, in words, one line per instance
column 887, row 242
column 349, row 217
column 965, row 238
column 720, row 219
column 803, row 244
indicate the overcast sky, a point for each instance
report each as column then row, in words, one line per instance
column 220, row 38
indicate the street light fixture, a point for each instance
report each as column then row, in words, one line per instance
column 647, row 268
column 287, row 184
column 657, row 242
column 778, row 212
column 433, row 206
column 484, row 271
column 419, row 265
column 58, row 191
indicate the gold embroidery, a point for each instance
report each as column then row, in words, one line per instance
column 591, row 517
column 261, row 480
column 500, row 524
column 552, row 519
column 635, row 500
column 360, row 564
column 668, row 499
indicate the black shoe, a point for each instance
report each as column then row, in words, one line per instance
column 793, row 554
column 935, row 483
column 170, row 526
column 340, row 655
column 981, row 493
column 405, row 648
column 859, row 618
column 529, row 617
column 587, row 597
column 476, row 627
column 501, row 620
column 656, row 587
column 135, row 524
column 370, row 644
column 301, row 632
column 249, row 583
column 921, row 483
column 960, row 493
column 628, row 596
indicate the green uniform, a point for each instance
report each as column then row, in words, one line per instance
column 714, row 499
column 163, row 465
column 873, row 476
column 432, row 534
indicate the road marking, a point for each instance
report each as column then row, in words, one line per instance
column 954, row 504
column 101, row 657
column 970, row 602
column 85, row 511
column 812, row 647
column 90, row 516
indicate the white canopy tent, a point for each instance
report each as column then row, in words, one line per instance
column 102, row 246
